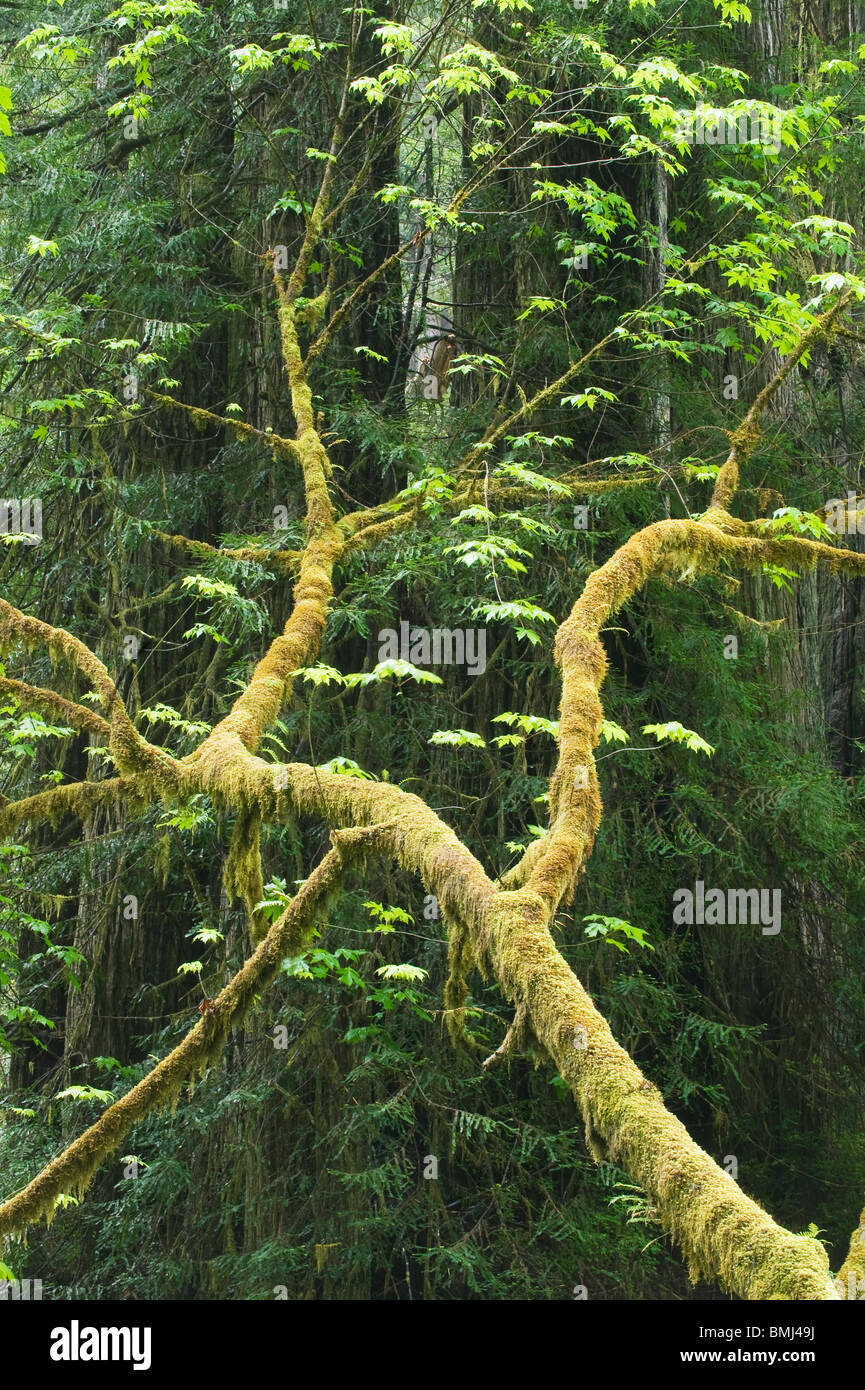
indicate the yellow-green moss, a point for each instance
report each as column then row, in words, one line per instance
column 242, row 875
column 54, row 706
column 850, row 1280
column 73, row 1170
column 505, row 932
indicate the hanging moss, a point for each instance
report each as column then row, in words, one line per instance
column 504, row 931
column 242, row 875
column 73, row 1170
column 132, row 753
column 312, row 312
column 285, row 562
column 79, row 799
column 460, row 964
column 722, row 1233
column 203, row 418
column 54, row 706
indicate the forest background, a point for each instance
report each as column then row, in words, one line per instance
column 511, row 192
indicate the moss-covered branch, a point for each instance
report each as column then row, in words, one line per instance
column 504, row 930
column 723, row 1234
column 241, row 428
column 283, row 561
column 74, row 1168
column 369, row 527
column 666, row 549
column 721, row 1231
column 317, row 347
column 132, row 753
column 743, row 440
column 79, row 799
column 259, row 705
column 34, row 697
